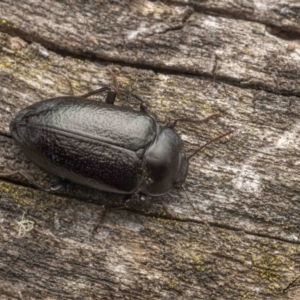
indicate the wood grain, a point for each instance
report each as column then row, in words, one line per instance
column 186, row 59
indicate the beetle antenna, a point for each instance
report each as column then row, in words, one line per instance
column 114, row 78
column 210, row 142
column 173, row 123
column 193, row 207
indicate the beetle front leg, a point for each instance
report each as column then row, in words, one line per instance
column 111, row 94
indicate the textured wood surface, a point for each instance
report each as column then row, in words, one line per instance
column 186, row 59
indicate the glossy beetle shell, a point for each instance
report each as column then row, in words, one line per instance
column 100, row 145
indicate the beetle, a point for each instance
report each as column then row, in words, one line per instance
column 103, row 146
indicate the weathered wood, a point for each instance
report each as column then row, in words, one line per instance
column 280, row 16
column 167, row 37
column 246, row 186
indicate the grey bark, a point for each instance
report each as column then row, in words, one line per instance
column 186, row 59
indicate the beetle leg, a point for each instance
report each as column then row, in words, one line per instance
column 144, row 108
column 101, row 218
column 165, row 208
column 173, row 123
column 111, row 96
column 70, row 85
column 127, row 198
column 143, row 105
column 97, row 91
column 114, row 78
column 27, row 176
column 60, row 183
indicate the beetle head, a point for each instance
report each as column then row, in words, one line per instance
column 166, row 163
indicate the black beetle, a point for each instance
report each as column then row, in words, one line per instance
column 103, row 146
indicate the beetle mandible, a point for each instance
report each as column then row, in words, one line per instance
column 103, row 146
